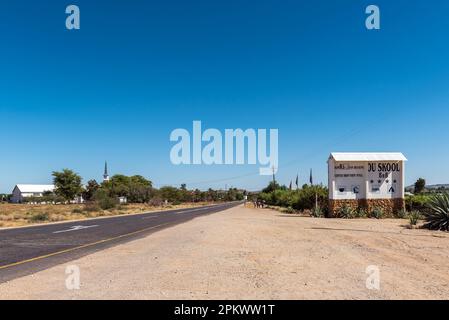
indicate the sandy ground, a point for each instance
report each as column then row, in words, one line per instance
column 245, row 253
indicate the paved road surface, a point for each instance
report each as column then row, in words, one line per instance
column 30, row 249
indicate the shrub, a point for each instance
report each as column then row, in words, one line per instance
column 91, row 207
column 361, row 213
column 157, row 202
column 107, row 203
column 289, row 210
column 317, row 212
column 38, row 217
column 414, row 217
column 77, row 210
column 417, row 202
column 437, row 218
column 103, row 200
column 377, row 213
column 346, row 212
column 301, row 200
column 401, row 214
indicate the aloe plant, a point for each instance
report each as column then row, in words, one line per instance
column 317, row 212
column 346, row 212
column 414, row 217
column 437, row 218
column 361, row 213
column 377, row 213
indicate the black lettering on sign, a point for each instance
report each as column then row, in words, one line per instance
column 388, row 167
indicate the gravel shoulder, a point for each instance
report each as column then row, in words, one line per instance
column 245, row 253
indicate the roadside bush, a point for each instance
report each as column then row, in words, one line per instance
column 77, row 211
column 361, row 213
column 417, row 202
column 414, row 217
column 38, row 217
column 346, row 212
column 377, row 213
column 437, row 218
column 103, row 200
column 290, row 210
column 303, row 199
column 91, row 207
column 401, row 214
column 156, row 201
column 317, row 212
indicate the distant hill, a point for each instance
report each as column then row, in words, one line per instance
column 429, row 187
column 438, row 186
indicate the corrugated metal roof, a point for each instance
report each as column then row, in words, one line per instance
column 35, row 188
column 368, row 156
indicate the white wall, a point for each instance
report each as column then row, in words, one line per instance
column 16, row 196
column 366, row 180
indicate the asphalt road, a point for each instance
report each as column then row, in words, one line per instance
column 28, row 250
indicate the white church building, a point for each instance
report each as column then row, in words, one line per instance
column 22, row 191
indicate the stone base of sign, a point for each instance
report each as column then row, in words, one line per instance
column 389, row 206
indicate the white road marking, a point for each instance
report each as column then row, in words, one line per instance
column 181, row 212
column 150, row 217
column 194, row 210
column 76, row 228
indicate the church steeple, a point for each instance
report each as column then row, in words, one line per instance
column 105, row 175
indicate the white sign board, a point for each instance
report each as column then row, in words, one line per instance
column 366, row 179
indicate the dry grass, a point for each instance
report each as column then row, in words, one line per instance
column 14, row 215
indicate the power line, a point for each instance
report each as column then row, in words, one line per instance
column 288, row 164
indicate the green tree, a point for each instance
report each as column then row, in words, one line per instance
column 197, row 195
column 91, row 188
column 117, row 186
column 420, row 185
column 104, row 200
column 302, row 199
column 272, row 186
column 212, row 195
column 136, row 188
column 137, row 179
column 5, row 197
column 171, row 194
column 67, row 184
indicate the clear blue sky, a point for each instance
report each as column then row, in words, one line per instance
column 136, row 70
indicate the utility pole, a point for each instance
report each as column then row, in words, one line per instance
column 274, row 179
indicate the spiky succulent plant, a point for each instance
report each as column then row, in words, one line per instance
column 437, row 217
column 346, row 212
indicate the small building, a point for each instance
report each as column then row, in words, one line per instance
column 366, row 180
column 122, row 200
column 22, row 191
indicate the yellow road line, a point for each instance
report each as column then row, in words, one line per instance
column 80, row 247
